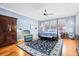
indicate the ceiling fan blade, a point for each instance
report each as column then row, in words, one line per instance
column 50, row 14
column 45, row 10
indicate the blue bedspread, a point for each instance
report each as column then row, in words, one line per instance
column 48, row 34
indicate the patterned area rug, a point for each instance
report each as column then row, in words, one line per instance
column 43, row 48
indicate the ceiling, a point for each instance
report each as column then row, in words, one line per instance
column 36, row 10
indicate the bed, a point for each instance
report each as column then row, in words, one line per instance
column 52, row 35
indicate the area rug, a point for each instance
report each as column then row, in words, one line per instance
column 56, row 50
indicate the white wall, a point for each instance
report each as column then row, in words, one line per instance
column 77, row 24
column 22, row 22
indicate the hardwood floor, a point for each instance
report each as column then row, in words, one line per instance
column 13, row 50
column 68, row 49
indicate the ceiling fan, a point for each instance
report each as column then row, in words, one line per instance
column 46, row 13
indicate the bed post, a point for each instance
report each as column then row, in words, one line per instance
column 57, row 28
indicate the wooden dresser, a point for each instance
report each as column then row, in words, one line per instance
column 8, row 31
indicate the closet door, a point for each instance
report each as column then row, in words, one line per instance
column 2, row 31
